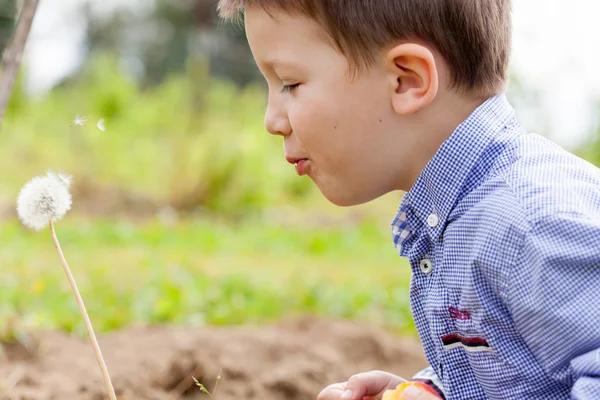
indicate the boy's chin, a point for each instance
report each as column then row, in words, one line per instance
column 345, row 198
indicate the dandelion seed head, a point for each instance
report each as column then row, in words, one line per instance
column 44, row 199
column 100, row 125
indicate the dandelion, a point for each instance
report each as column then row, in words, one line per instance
column 79, row 121
column 43, row 201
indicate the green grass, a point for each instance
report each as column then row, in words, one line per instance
column 200, row 272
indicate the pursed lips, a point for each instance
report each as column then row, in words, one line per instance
column 300, row 163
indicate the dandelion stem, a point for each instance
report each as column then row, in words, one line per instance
column 84, row 314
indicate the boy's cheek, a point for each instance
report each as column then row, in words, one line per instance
column 313, row 121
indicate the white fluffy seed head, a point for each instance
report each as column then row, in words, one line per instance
column 44, row 199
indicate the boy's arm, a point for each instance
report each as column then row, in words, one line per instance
column 429, row 377
column 554, row 298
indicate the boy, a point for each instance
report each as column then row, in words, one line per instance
column 501, row 227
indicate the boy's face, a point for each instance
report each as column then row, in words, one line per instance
column 340, row 128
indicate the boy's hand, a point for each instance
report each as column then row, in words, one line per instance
column 364, row 386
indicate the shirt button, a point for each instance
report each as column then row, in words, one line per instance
column 426, row 266
column 433, row 220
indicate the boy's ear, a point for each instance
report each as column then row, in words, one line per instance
column 414, row 77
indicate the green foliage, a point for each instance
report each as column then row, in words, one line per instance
column 590, row 150
column 190, row 142
column 8, row 13
column 198, row 272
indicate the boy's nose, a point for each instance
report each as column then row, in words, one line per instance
column 276, row 122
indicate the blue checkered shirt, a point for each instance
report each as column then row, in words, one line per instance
column 502, row 231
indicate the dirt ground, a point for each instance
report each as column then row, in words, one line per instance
column 289, row 360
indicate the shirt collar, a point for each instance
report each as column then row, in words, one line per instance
column 452, row 171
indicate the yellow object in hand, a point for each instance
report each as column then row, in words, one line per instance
column 397, row 394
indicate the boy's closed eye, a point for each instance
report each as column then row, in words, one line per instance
column 289, row 88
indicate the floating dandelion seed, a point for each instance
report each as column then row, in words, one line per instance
column 79, row 121
column 64, row 178
column 100, row 125
column 43, row 201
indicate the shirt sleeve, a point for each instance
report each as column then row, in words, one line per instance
column 554, row 298
column 429, row 377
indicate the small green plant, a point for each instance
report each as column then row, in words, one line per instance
column 205, row 390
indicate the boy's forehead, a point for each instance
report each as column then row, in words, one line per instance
column 278, row 31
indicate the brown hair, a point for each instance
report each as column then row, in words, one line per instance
column 473, row 36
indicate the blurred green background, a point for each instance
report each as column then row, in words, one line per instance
column 184, row 209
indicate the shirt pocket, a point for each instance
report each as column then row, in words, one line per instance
column 498, row 378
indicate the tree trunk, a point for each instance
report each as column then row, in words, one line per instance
column 13, row 54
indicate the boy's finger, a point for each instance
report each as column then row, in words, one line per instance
column 365, row 384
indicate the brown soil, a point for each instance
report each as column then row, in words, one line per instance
column 288, row 360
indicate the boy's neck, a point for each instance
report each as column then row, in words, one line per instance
column 435, row 125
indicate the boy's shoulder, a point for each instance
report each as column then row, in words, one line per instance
column 533, row 180
column 547, row 180
column 534, row 183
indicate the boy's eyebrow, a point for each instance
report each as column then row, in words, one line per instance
column 276, row 63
